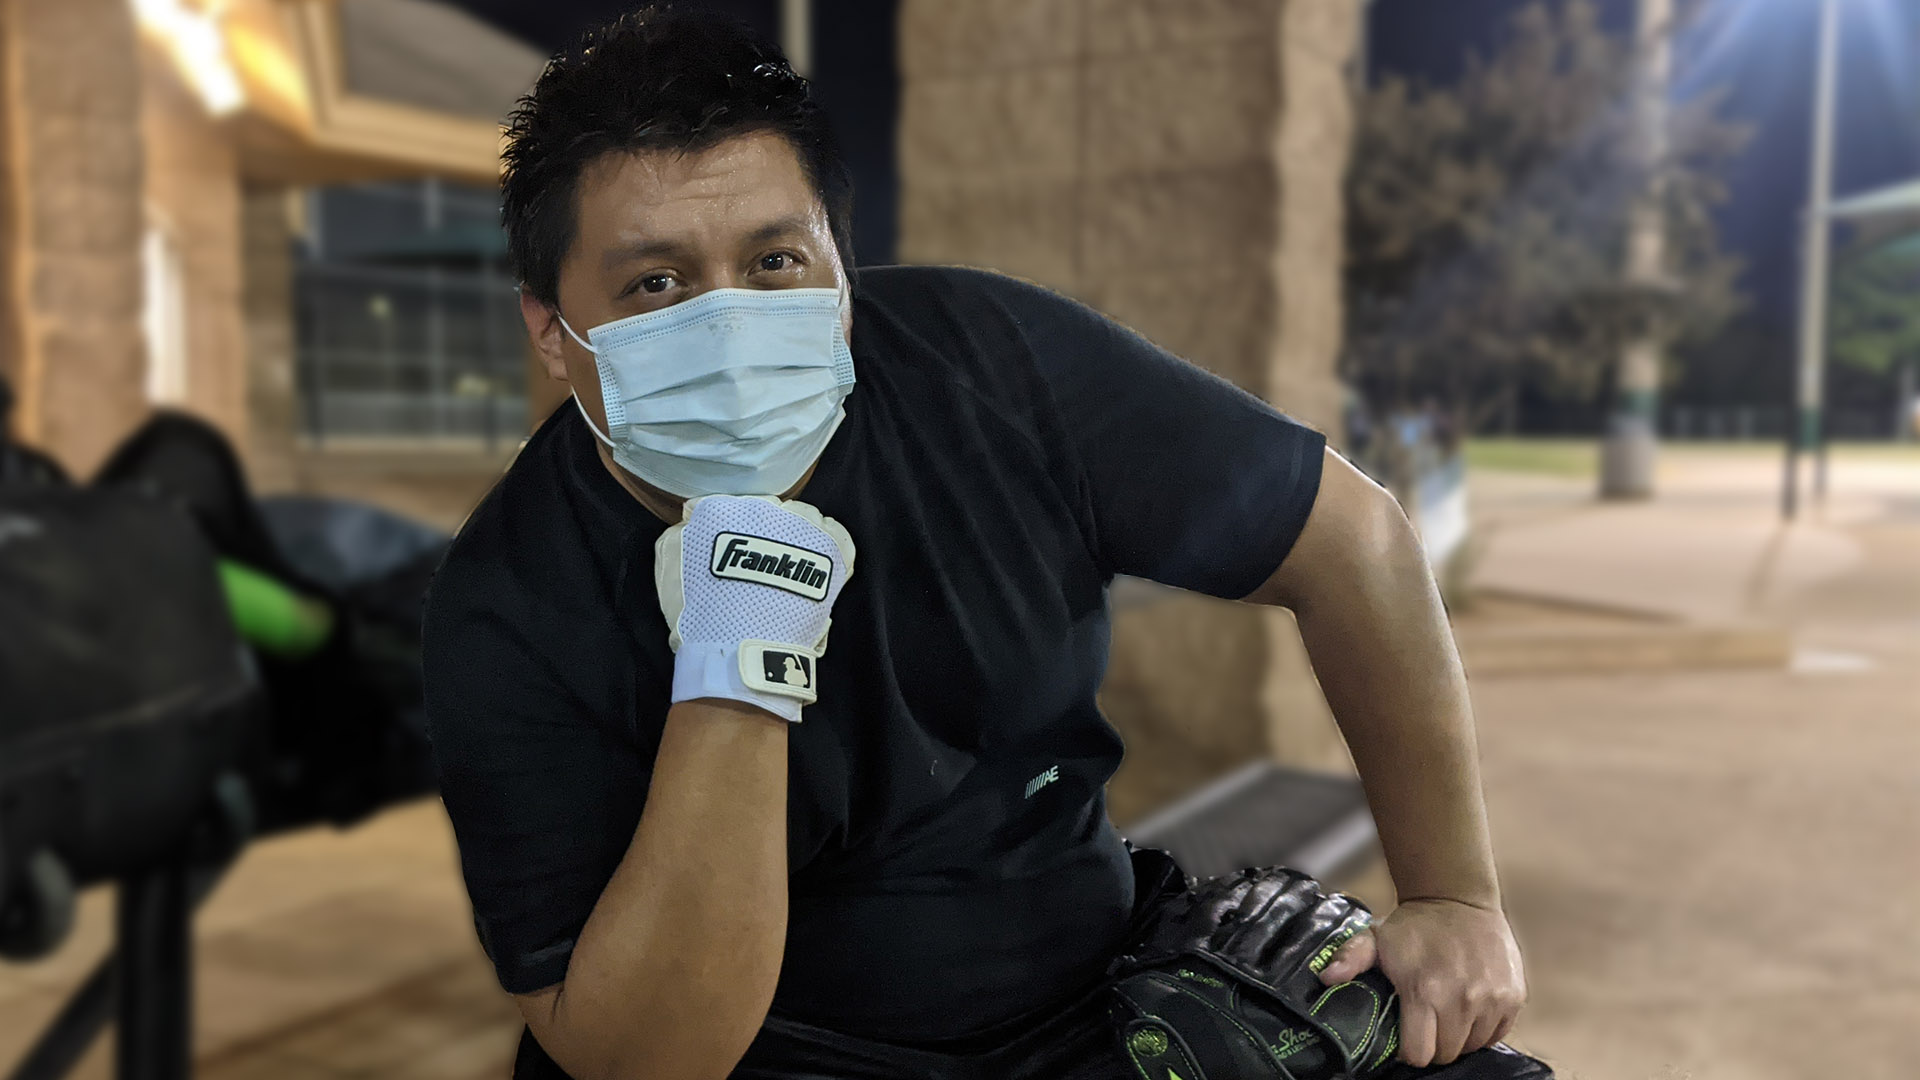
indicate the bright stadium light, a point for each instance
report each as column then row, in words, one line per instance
column 1733, row 27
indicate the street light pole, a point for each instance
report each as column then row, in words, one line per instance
column 1814, row 258
column 796, row 35
column 1363, row 50
column 1627, row 457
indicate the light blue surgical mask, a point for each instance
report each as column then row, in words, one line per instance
column 734, row 392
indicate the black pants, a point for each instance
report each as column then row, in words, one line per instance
column 1073, row 1041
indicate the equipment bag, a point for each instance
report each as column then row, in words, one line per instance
column 124, row 691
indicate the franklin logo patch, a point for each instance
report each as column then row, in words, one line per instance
column 740, row 557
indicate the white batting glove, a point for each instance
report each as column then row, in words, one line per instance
column 746, row 584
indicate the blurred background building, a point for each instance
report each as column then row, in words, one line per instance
column 280, row 215
column 276, row 215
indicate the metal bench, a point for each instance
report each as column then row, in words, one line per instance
column 1266, row 815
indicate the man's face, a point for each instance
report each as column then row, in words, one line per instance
column 654, row 229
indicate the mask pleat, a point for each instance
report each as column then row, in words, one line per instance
column 728, row 393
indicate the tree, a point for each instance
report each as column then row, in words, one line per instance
column 1876, row 308
column 1486, row 223
column 1875, row 330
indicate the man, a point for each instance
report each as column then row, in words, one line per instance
column 704, row 836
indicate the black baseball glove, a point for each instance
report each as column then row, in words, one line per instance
column 1224, row 984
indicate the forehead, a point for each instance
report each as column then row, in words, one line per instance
column 735, row 185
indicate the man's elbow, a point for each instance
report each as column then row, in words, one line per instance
column 1385, row 532
column 1357, row 539
column 638, row 1052
column 704, row 1045
column 1375, row 506
column 1380, row 565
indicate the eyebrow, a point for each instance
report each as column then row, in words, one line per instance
column 773, row 230
column 790, row 225
column 647, row 249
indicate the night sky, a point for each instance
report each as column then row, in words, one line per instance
column 1761, row 50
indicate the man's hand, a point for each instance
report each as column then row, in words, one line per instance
column 1456, row 967
column 746, row 585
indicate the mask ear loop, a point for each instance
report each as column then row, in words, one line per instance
column 564, row 325
column 575, row 394
column 597, row 433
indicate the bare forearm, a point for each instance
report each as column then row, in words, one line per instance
column 1392, row 676
column 1370, row 614
column 676, row 966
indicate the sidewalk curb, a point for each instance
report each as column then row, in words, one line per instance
column 1528, row 634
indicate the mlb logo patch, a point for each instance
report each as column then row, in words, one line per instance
column 773, row 667
column 788, row 669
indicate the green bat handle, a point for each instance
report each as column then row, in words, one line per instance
column 273, row 618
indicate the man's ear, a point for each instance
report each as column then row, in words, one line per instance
column 549, row 338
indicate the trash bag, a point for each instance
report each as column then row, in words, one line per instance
column 377, row 565
column 346, row 545
column 347, row 733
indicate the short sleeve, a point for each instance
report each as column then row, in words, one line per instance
column 1194, row 482
column 543, row 802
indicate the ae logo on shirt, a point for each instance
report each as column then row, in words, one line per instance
column 1047, row 776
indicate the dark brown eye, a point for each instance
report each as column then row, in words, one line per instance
column 655, row 283
column 778, row 260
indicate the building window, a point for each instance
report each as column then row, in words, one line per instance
column 407, row 324
column 164, row 317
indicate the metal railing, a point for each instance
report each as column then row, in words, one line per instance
column 408, row 352
column 1770, row 422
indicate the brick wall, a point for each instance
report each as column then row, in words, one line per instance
column 1177, row 166
column 70, row 333
column 266, row 299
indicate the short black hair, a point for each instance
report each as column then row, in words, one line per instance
column 654, row 79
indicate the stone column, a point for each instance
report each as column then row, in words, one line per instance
column 1177, row 166
column 71, row 223
column 273, row 418
column 193, row 195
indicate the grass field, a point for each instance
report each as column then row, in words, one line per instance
column 1561, row 457
column 1581, row 457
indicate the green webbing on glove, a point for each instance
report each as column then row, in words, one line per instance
column 271, row 617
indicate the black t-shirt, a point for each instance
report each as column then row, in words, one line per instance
column 1006, row 452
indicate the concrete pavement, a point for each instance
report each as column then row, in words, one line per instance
column 322, row 955
column 1715, row 875
column 1711, row 546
